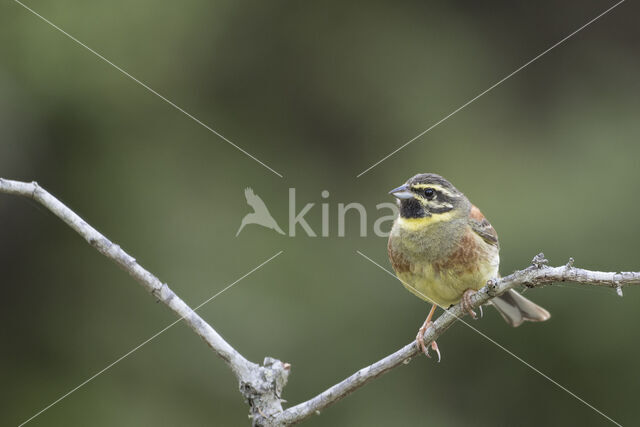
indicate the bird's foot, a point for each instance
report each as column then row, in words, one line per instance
column 421, row 344
column 467, row 305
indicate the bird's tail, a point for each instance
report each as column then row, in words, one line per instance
column 515, row 309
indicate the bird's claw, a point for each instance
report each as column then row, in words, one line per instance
column 421, row 344
column 434, row 347
column 467, row 305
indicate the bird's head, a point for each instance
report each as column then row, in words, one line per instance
column 429, row 195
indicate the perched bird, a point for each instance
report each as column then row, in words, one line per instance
column 260, row 214
column 443, row 250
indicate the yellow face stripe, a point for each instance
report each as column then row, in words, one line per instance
column 414, row 224
column 435, row 187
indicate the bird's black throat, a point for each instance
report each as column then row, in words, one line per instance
column 411, row 208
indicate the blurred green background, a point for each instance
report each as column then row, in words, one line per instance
column 319, row 92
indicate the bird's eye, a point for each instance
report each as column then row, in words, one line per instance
column 429, row 193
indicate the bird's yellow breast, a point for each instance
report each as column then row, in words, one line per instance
column 442, row 277
column 445, row 287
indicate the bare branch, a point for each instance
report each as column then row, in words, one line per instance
column 238, row 364
column 537, row 275
column 261, row 385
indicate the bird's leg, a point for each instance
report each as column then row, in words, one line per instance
column 420, row 337
column 466, row 303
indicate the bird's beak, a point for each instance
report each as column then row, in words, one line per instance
column 401, row 192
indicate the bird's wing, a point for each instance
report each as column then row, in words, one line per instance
column 482, row 227
column 254, row 200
